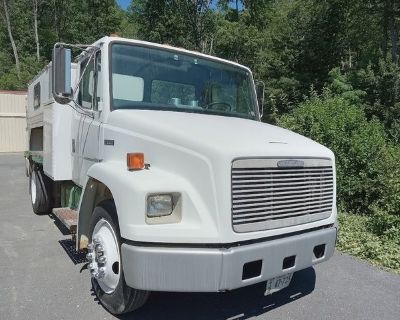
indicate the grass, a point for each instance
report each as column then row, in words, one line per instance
column 373, row 238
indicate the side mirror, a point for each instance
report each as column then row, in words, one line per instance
column 62, row 91
column 260, row 91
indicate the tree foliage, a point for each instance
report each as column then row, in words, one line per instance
column 290, row 44
column 72, row 21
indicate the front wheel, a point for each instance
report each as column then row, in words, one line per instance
column 104, row 257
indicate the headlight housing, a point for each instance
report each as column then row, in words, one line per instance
column 159, row 205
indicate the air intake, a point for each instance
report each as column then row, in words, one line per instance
column 277, row 193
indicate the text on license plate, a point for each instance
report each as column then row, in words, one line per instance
column 278, row 283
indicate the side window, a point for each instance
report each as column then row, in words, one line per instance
column 98, row 86
column 36, row 96
column 86, row 87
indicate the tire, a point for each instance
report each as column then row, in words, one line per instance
column 40, row 191
column 121, row 299
column 27, row 167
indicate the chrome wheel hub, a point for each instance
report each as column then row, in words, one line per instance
column 103, row 256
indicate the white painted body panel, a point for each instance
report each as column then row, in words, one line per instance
column 192, row 154
column 56, row 120
column 57, row 160
column 188, row 153
column 86, row 134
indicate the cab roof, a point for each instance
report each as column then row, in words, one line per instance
column 108, row 40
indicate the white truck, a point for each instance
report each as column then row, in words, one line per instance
column 156, row 159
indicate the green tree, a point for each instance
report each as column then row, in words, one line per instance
column 36, row 25
column 368, row 175
column 180, row 23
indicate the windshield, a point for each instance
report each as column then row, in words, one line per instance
column 150, row 78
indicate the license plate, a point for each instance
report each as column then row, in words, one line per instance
column 278, row 283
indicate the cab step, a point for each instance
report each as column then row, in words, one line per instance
column 68, row 217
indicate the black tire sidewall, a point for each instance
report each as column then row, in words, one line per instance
column 120, row 300
column 42, row 204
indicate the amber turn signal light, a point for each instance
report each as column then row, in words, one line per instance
column 135, row 161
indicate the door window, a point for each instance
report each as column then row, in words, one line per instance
column 86, row 87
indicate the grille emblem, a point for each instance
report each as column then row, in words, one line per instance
column 290, row 163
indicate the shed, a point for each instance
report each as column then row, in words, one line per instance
column 12, row 121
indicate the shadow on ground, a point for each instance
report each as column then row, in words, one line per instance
column 238, row 304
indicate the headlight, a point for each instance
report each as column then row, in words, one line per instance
column 159, row 205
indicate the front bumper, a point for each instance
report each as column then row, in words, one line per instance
column 219, row 269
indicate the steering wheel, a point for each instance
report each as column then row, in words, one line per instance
column 227, row 105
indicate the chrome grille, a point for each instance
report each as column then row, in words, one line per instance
column 266, row 196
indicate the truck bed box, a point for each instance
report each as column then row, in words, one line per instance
column 49, row 126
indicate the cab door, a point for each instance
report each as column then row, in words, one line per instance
column 86, row 145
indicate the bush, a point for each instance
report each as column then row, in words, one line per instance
column 368, row 176
column 386, row 226
column 371, row 238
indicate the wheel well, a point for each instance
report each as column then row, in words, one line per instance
column 95, row 192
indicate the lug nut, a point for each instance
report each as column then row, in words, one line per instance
column 99, row 248
column 90, row 246
column 102, row 272
column 89, row 256
column 101, row 259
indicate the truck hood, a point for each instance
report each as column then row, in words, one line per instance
column 233, row 137
column 191, row 154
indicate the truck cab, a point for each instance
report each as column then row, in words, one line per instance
column 179, row 185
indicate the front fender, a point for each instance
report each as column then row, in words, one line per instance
column 129, row 190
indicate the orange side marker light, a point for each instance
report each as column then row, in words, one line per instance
column 135, row 161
